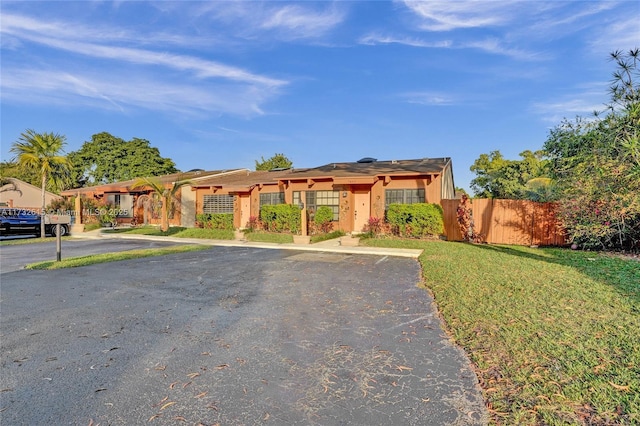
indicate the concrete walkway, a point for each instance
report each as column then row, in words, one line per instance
column 324, row 246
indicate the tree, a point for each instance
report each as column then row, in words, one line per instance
column 107, row 159
column 498, row 177
column 168, row 195
column 41, row 153
column 596, row 164
column 278, row 161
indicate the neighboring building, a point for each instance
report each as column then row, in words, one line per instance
column 23, row 195
column 126, row 200
column 354, row 191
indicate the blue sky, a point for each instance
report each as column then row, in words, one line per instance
column 218, row 85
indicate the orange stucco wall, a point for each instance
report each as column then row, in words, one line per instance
column 251, row 199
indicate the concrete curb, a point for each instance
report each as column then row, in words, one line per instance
column 325, row 246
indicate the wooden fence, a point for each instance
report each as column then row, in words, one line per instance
column 517, row 222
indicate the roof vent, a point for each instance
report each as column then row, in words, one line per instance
column 367, row 160
column 394, row 161
column 279, row 169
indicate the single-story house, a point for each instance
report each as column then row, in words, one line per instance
column 355, row 191
column 129, row 201
column 22, row 195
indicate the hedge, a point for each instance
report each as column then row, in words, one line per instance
column 281, row 218
column 215, row 220
column 416, row 220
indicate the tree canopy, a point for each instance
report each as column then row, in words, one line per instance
column 107, row 159
column 497, row 177
column 596, row 164
column 278, row 161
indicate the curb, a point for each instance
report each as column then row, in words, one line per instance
column 378, row 251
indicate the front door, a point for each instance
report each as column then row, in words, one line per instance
column 361, row 210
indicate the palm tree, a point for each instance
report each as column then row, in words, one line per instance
column 42, row 153
column 167, row 195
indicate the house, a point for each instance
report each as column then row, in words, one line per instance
column 20, row 194
column 129, row 202
column 355, row 191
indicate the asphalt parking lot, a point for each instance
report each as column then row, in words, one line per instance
column 230, row 336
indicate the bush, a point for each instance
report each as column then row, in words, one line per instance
column 322, row 220
column 281, row 218
column 416, row 220
column 375, row 227
column 254, row 224
column 215, row 220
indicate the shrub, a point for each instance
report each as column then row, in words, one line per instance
column 375, row 227
column 416, row 220
column 465, row 221
column 215, row 220
column 323, row 220
column 62, row 206
column 281, row 218
column 254, row 224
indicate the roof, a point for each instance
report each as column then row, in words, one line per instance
column 125, row 186
column 377, row 168
column 20, row 183
column 244, row 179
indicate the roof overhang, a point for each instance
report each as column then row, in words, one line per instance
column 360, row 180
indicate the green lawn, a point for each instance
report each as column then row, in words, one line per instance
column 269, row 237
column 20, row 241
column 554, row 334
column 74, row 262
column 176, row 231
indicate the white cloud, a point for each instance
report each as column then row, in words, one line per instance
column 56, row 36
column 429, row 98
column 489, row 45
column 204, row 86
column 570, row 106
column 301, row 22
column 373, row 39
column 272, row 20
column 119, row 92
column 451, row 15
column 621, row 34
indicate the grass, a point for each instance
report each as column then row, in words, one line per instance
column 220, row 234
column 74, row 262
column 269, row 237
column 177, row 231
column 325, row 237
column 554, row 334
column 21, row 241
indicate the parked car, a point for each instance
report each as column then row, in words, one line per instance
column 15, row 221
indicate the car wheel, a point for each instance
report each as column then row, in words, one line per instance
column 63, row 230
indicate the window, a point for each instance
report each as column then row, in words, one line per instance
column 122, row 204
column 403, row 196
column 316, row 199
column 217, row 204
column 271, row 198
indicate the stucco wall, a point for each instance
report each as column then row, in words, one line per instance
column 26, row 196
column 188, row 207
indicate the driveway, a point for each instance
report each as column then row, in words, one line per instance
column 230, row 336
